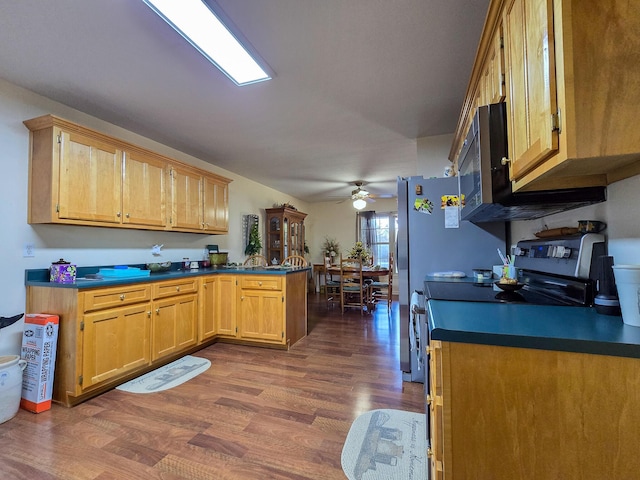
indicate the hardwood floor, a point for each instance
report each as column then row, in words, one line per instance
column 256, row 413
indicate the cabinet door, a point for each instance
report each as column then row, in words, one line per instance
column 226, row 311
column 208, row 303
column 114, row 342
column 532, row 103
column 492, row 79
column 174, row 325
column 186, row 199
column 143, row 190
column 218, row 307
column 262, row 316
column 90, row 179
column 216, row 205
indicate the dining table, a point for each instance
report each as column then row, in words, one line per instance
column 368, row 273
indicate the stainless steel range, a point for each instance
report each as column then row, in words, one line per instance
column 558, row 271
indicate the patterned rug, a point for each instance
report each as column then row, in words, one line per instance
column 386, row 445
column 168, row 376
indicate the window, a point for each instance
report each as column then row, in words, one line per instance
column 378, row 232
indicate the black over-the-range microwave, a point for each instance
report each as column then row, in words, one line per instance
column 483, row 178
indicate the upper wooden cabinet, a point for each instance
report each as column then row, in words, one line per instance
column 198, row 201
column 570, row 88
column 79, row 176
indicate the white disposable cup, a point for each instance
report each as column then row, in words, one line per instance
column 628, row 285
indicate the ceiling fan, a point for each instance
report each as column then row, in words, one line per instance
column 360, row 196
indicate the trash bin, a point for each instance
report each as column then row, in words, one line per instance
column 11, row 368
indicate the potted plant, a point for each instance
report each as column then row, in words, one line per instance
column 255, row 244
column 330, row 248
column 360, row 251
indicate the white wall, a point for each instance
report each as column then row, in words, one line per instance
column 620, row 212
column 87, row 246
column 338, row 221
column 433, row 155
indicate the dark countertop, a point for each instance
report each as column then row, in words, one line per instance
column 570, row 329
column 40, row 277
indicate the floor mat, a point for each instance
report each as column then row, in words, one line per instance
column 168, row 376
column 386, row 445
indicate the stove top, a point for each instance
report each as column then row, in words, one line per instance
column 554, row 272
column 485, row 292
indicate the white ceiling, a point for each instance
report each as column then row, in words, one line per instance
column 356, row 82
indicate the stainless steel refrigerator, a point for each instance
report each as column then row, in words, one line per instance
column 429, row 241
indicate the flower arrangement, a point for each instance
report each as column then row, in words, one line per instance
column 330, row 248
column 360, row 251
column 255, row 244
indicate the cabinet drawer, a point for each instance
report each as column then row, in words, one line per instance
column 175, row 287
column 116, row 296
column 261, row 283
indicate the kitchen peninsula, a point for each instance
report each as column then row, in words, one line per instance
column 531, row 391
column 113, row 329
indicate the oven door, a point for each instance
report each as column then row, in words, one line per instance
column 418, row 335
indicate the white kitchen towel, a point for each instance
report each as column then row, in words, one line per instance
column 414, row 325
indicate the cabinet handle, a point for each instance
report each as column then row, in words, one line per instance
column 429, row 400
column 118, row 214
column 178, row 288
column 158, row 311
column 429, row 452
column 505, row 161
column 149, row 314
column 127, row 215
column 260, row 284
column 122, row 297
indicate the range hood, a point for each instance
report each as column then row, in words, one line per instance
column 532, row 205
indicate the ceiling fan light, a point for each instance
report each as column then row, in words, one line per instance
column 359, row 204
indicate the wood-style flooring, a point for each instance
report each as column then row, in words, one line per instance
column 257, row 413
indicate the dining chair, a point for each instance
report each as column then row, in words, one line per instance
column 383, row 290
column 353, row 290
column 295, row 261
column 256, row 261
column 331, row 286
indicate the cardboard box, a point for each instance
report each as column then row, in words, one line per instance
column 39, row 344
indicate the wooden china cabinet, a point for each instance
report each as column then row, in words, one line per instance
column 285, row 233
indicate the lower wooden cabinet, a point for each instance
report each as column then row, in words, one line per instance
column 115, row 341
column 505, row 413
column 174, row 325
column 261, row 309
column 111, row 334
column 218, row 307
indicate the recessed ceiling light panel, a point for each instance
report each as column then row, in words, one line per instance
column 201, row 27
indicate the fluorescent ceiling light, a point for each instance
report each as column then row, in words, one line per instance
column 359, row 204
column 200, row 26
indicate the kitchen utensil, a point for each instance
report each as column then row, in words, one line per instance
column 159, row 267
column 591, row 226
column 482, row 273
column 509, row 287
column 557, row 232
column 62, row 272
column 606, row 301
column 219, row 258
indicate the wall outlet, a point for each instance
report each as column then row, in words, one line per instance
column 29, row 250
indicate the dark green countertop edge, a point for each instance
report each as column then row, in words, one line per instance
column 40, row 277
column 567, row 329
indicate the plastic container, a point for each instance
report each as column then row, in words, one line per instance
column 628, row 283
column 481, row 274
column 11, row 368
